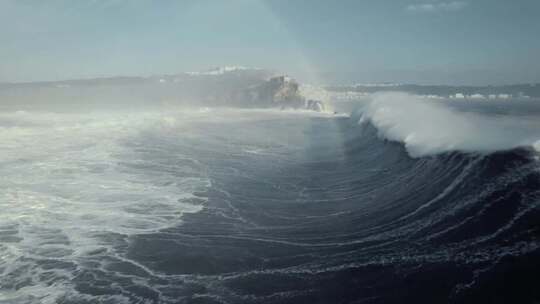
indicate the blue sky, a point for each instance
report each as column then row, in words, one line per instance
column 321, row 41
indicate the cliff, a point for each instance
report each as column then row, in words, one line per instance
column 278, row 92
column 243, row 88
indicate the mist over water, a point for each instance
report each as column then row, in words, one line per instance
column 195, row 198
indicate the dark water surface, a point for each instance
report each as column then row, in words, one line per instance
column 328, row 213
column 319, row 209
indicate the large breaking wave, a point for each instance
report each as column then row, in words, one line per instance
column 427, row 126
column 222, row 205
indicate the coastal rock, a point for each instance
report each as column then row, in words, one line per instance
column 315, row 105
column 281, row 92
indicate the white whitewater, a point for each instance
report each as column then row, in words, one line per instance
column 67, row 180
column 427, row 126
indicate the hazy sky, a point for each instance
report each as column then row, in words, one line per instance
column 425, row 41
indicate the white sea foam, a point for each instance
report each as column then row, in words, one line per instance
column 66, row 181
column 427, row 127
column 359, row 95
column 72, row 184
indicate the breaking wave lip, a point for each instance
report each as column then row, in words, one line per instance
column 426, row 127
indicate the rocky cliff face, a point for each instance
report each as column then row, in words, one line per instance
column 244, row 88
column 278, row 92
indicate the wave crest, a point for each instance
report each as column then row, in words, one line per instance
column 427, row 127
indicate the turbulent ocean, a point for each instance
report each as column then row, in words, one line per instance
column 382, row 198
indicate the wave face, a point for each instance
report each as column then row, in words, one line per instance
column 268, row 206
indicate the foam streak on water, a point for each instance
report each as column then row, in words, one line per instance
column 70, row 182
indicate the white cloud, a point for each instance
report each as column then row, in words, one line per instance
column 437, row 7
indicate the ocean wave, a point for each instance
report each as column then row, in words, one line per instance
column 296, row 206
column 426, row 127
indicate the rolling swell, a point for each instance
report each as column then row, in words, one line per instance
column 330, row 213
